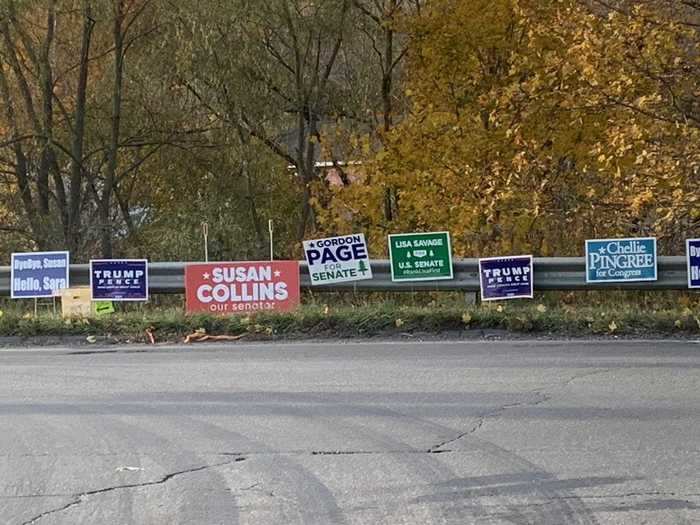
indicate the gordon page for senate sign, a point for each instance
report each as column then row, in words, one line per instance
column 242, row 287
column 337, row 259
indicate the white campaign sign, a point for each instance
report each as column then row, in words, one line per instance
column 338, row 259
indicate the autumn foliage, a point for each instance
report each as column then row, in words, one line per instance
column 517, row 125
column 535, row 125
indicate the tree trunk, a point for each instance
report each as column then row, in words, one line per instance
column 76, row 175
column 110, row 177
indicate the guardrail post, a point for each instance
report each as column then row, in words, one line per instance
column 470, row 298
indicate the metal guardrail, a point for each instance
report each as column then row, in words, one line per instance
column 551, row 273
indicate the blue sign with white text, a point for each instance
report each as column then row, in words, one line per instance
column 506, row 277
column 621, row 260
column 693, row 253
column 119, row 279
column 38, row 274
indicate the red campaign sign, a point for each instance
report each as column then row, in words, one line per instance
column 242, row 287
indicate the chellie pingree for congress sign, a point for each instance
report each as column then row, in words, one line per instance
column 242, row 287
column 621, row 260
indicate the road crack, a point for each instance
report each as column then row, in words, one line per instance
column 82, row 496
column 493, row 413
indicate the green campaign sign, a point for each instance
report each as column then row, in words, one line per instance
column 104, row 307
column 420, row 256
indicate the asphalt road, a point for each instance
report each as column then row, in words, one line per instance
column 541, row 433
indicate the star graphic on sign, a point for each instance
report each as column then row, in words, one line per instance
column 277, row 273
column 205, row 276
column 602, row 251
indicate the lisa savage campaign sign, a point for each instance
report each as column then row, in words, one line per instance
column 338, row 259
column 693, row 253
column 420, row 256
column 119, row 280
column 621, row 260
column 38, row 274
column 242, row 287
column 506, row 277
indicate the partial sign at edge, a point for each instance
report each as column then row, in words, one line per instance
column 692, row 252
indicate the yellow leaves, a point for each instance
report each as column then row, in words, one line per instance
column 612, row 326
column 399, row 323
column 527, row 141
column 642, row 199
column 466, row 318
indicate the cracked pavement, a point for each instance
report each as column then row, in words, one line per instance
column 519, row 432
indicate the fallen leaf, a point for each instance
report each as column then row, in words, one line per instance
column 128, row 469
column 199, row 337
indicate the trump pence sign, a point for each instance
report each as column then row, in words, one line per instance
column 242, row 287
column 119, row 279
column 506, row 277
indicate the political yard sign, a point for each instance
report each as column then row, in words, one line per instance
column 693, row 253
column 38, row 274
column 420, row 256
column 506, row 278
column 242, row 287
column 119, row 279
column 621, row 260
column 337, row 259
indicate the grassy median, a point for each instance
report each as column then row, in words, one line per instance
column 326, row 317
